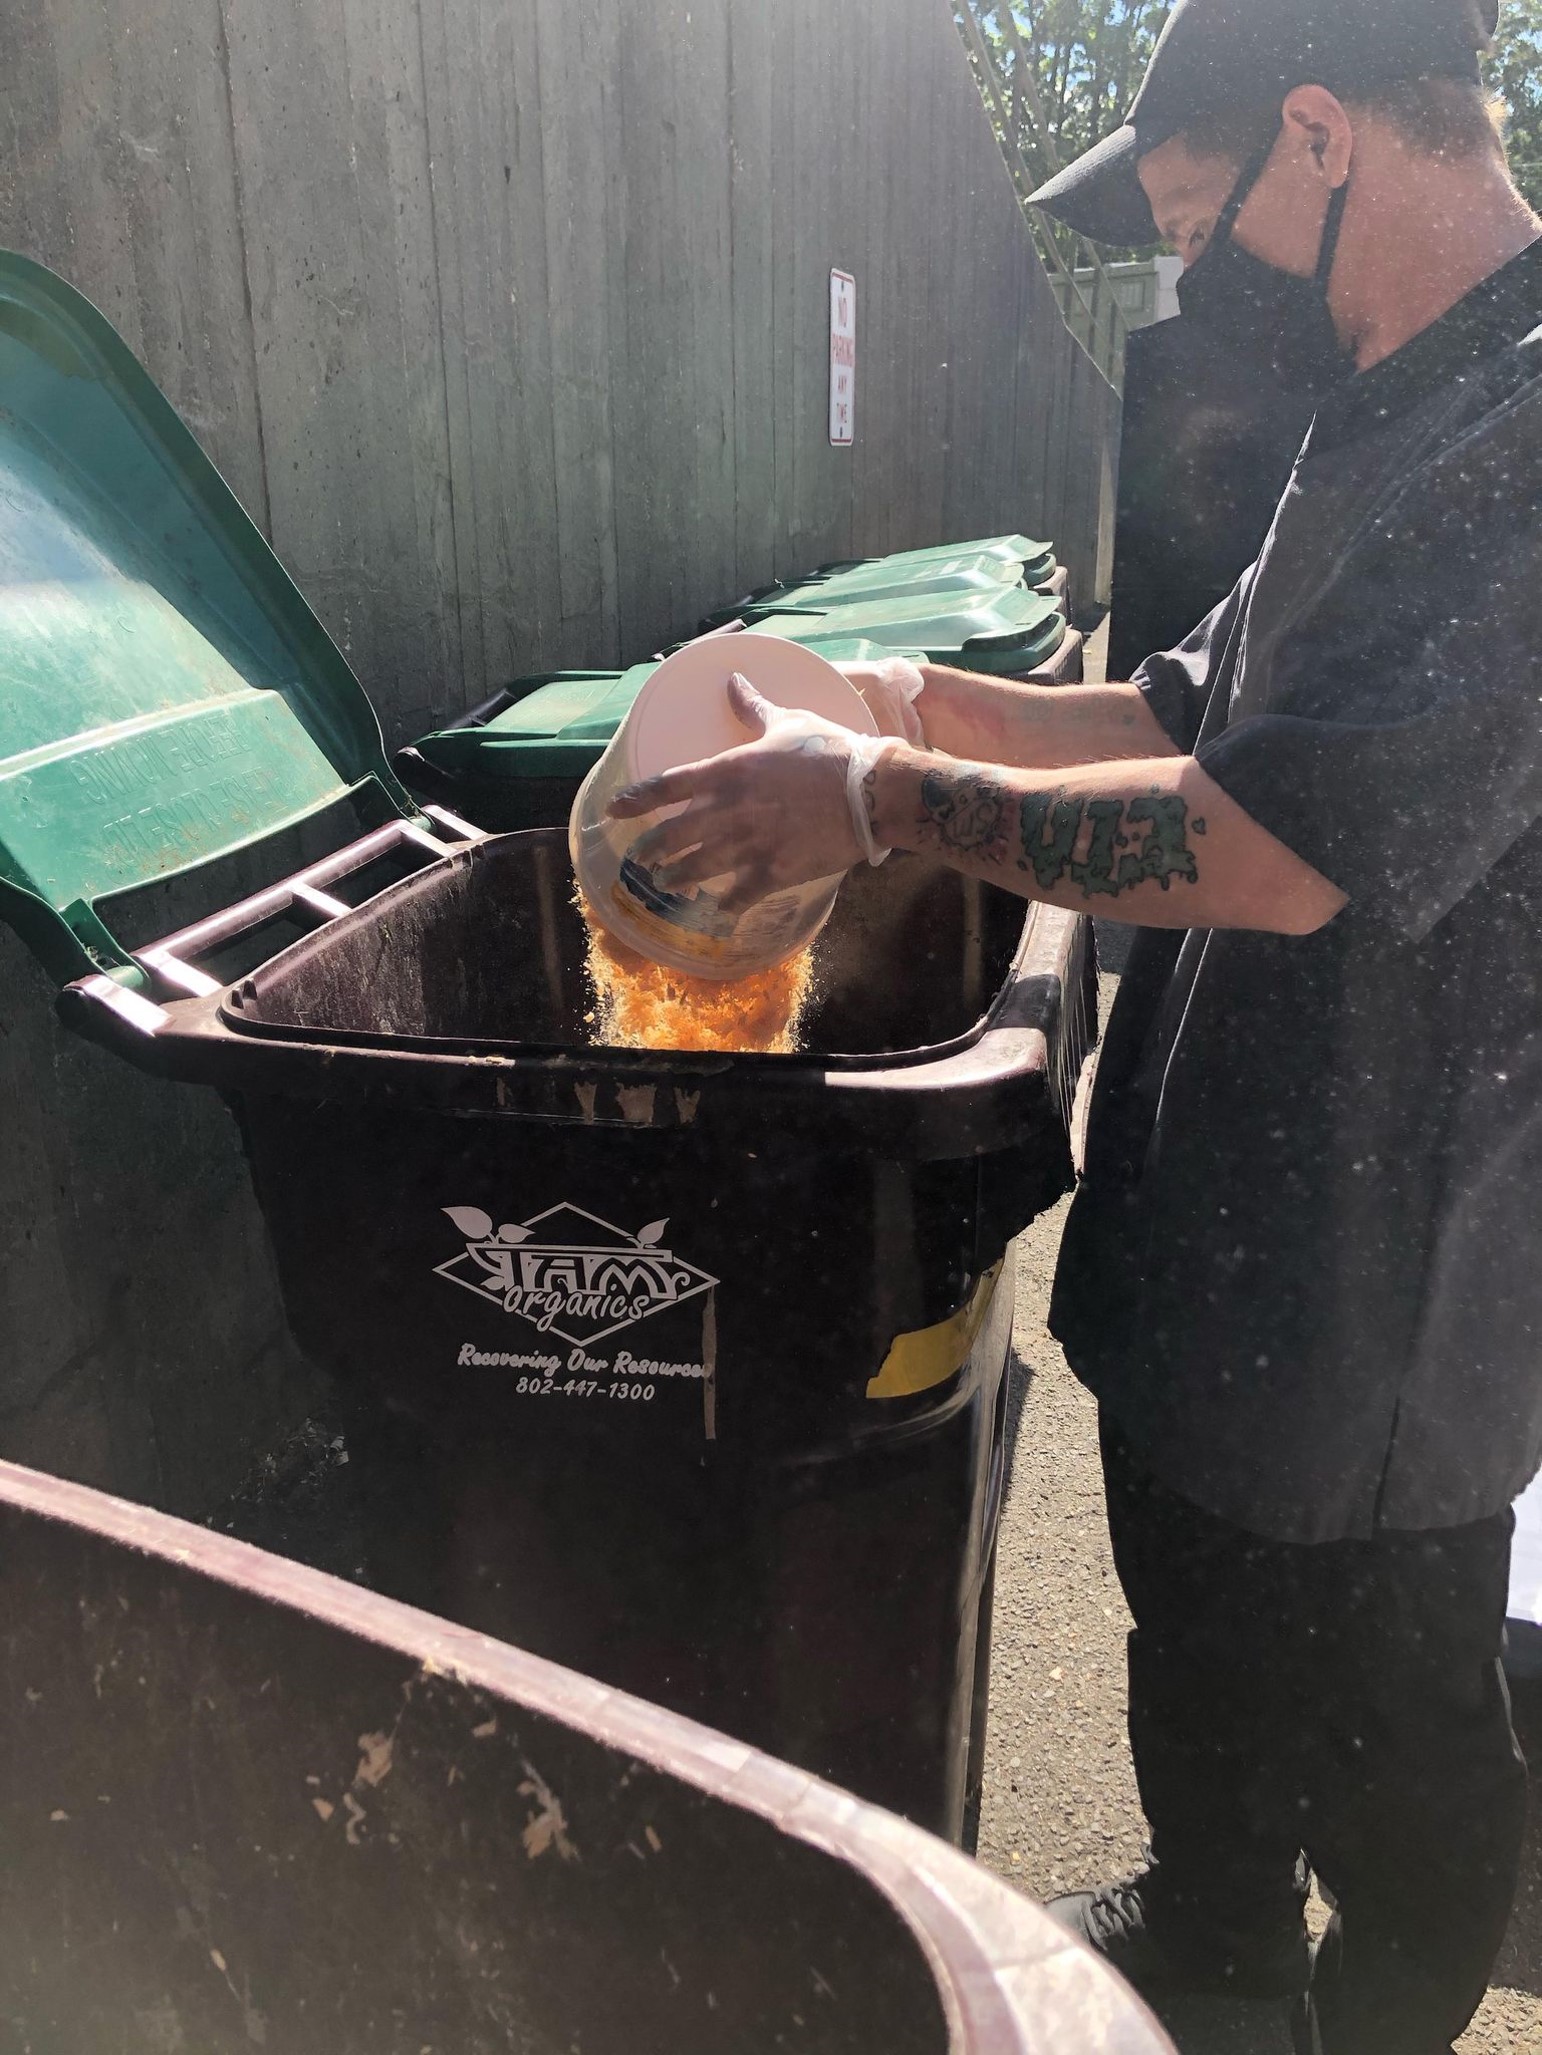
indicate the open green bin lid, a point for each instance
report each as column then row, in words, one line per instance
column 166, row 696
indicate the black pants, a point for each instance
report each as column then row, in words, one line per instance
column 1345, row 1701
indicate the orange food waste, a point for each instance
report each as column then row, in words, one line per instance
column 640, row 1005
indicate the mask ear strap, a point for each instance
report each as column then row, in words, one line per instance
column 1252, row 172
column 1332, row 228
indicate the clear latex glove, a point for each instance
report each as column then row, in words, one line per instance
column 891, row 689
column 788, row 808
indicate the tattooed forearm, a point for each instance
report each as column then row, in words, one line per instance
column 969, row 812
column 1104, row 847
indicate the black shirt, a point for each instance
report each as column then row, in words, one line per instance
column 1304, row 1269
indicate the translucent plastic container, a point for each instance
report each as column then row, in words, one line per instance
column 682, row 716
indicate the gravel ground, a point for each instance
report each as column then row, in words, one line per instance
column 1061, row 1811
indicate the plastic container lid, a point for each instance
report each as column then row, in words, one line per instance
column 682, row 714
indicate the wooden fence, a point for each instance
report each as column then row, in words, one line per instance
column 508, row 319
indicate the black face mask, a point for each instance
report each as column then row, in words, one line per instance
column 1256, row 310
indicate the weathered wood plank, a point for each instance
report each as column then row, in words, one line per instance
column 751, row 59
column 396, row 234
column 884, row 314
column 790, row 558
column 493, row 118
column 331, row 164
column 700, row 42
column 820, row 237
column 577, row 54
column 672, row 300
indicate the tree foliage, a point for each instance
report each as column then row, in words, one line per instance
column 1088, row 58
column 1515, row 73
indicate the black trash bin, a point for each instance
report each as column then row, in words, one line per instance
column 685, row 1370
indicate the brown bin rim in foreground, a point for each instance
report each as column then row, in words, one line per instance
column 1009, row 1980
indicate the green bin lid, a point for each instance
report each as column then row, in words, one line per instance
column 987, row 576
column 886, row 580
column 1017, row 551
column 1015, row 630
column 166, row 696
column 994, row 650
column 558, row 727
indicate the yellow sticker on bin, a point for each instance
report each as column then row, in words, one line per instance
column 921, row 1361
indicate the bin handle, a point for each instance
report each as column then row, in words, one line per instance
column 170, row 958
column 489, row 709
column 511, row 695
column 1013, row 1037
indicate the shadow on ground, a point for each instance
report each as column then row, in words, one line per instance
column 1520, row 1966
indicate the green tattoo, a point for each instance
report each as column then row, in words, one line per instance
column 1123, row 843
column 1166, row 853
column 968, row 813
column 1103, row 871
column 1050, row 828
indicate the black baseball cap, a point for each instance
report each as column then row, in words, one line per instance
column 1217, row 55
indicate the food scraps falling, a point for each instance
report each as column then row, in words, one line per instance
column 641, row 1005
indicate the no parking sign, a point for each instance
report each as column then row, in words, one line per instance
column 843, row 358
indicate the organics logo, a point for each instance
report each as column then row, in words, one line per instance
column 569, row 1273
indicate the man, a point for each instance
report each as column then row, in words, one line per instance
column 1302, row 1274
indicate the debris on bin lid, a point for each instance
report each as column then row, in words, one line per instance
column 166, row 695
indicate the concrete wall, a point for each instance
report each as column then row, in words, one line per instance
column 507, row 319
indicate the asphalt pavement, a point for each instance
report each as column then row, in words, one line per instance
column 1061, row 1811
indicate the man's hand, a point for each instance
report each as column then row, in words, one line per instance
column 775, row 814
